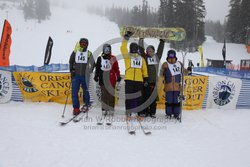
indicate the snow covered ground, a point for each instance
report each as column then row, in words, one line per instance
column 31, row 135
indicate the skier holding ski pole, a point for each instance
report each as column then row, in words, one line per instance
column 81, row 65
column 172, row 70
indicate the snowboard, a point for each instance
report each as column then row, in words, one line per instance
column 170, row 34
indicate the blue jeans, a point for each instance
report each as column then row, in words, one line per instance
column 172, row 104
column 78, row 81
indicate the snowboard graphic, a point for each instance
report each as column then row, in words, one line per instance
column 171, row 34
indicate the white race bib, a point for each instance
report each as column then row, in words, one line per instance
column 81, row 57
column 152, row 60
column 106, row 65
column 136, row 62
column 175, row 68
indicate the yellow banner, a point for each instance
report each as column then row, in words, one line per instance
column 45, row 87
column 194, row 91
column 201, row 54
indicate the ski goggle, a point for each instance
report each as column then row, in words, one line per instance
column 107, row 50
column 83, row 43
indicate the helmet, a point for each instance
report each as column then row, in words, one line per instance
column 133, row 47
column 106, row 49
column 84, row 42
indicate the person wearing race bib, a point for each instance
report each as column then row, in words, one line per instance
column 171, row 71
column 152, row 61
column 81, row 65
column 135, row 74
column 107, row 73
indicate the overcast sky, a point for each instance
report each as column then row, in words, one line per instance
column 216, row 9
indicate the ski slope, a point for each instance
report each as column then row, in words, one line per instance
column 31, row 135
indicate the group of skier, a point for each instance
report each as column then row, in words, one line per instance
column 141, row 73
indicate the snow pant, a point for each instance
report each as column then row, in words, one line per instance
column 78, row 81
column 108, row 97
column 147, row 92
column 172, row 104
column 134, row 99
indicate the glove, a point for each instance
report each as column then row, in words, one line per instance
column 72, row 73
column 118, row 79
column 162, row 40
column 189, row 70
column 96, row 78
column 127, row 35
column 181, row 98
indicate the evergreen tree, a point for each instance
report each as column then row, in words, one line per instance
column 234, row 21
column 42, row 9
column 245, row 22
column 29, row 9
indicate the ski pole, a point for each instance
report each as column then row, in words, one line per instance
column 66, row 100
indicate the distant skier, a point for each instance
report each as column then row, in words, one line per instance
column 107, row 73
column 171, row 70
column 136, row 74
column 152, row 61
column 81, row 65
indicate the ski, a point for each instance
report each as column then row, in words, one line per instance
column 101, row 121
column 130, row 127
column 144, row 128
column 63, row 123
column 84, row 114
column 76, row 118
column 109, row 120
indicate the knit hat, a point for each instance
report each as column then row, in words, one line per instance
column 171, row 54
column 133, row 48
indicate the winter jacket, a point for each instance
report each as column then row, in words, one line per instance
column 113, row 72
column 172, row 83
column 152, row 68
column 79, row 66
column 133, row 73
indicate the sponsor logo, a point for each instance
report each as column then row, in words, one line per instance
column 4, row 86
column 26, row 83
column 224, row 92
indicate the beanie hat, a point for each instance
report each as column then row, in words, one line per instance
column 151, row 46
column 171, row 54
column 133, row 48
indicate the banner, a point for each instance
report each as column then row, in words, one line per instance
column 201, row 54
column 5, row 86
column 194, row 91
column 5, row 44
column 45, row 87
column 48, row 51
column 223, row 92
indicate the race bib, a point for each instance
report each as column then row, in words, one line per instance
column 81, row 57
column 175, row 69
column 136, row 62
column 152, row 60
column 106, row 65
